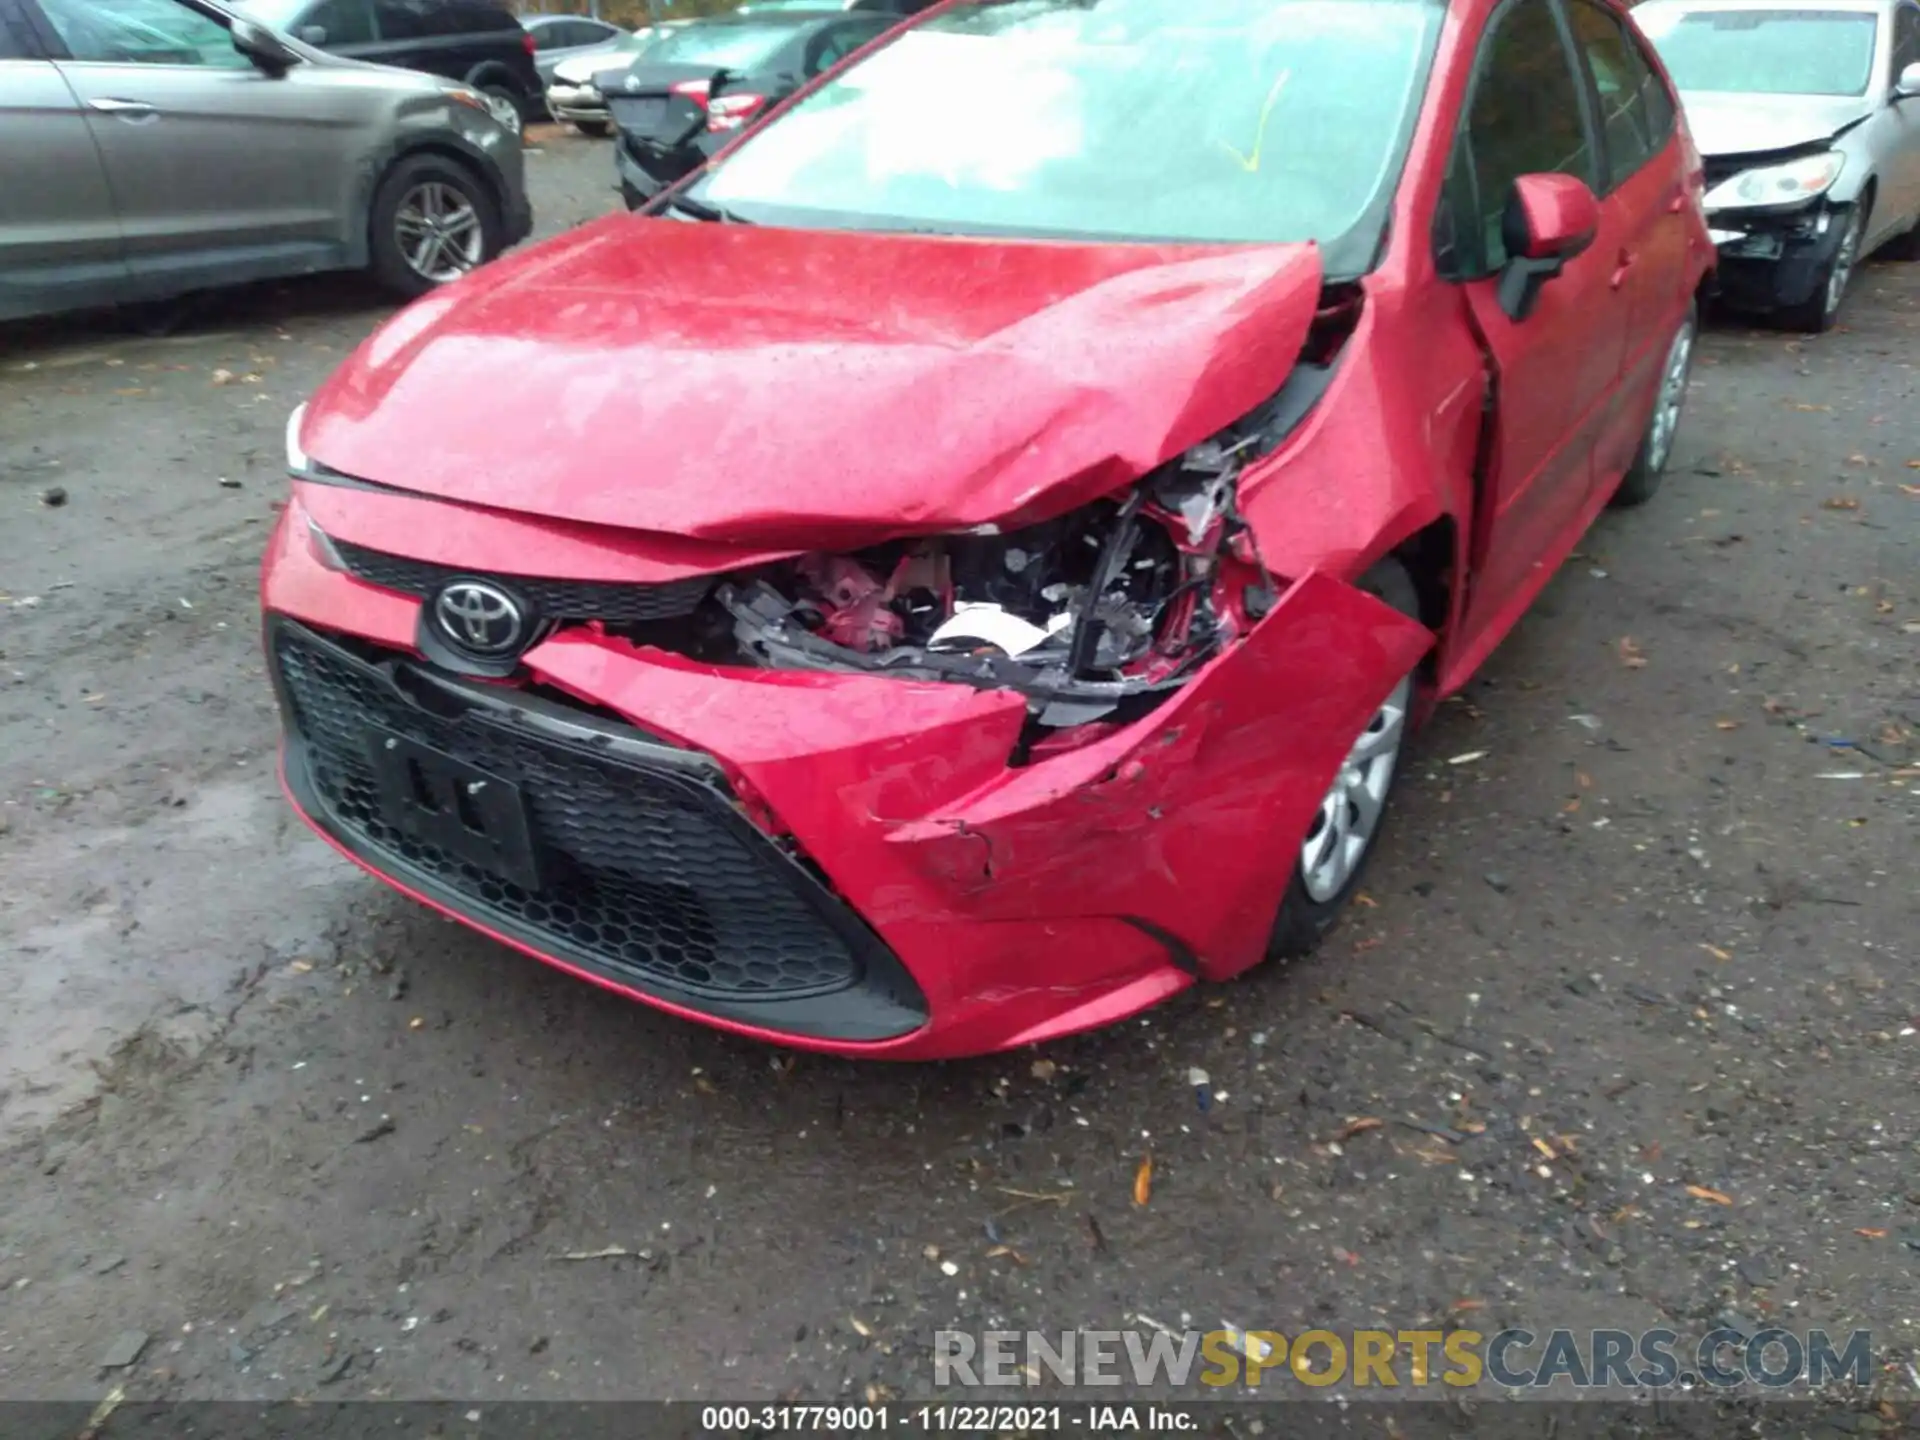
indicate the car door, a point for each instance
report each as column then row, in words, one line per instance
column 215, row 166
column 1555, row 372
column 59, row 237
column 1643, row 203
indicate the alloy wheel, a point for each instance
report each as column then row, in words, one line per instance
column 1843, row 261
column 439, row 231
column 1672, row 399
column 1348, row 820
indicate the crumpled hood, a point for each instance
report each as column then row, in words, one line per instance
column 753, row 385
column 1744, row 124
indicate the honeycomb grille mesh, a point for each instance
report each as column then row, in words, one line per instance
column 645, row 871
column 613, row 602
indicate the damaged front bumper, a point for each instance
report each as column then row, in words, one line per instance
column 841, row 861
column 1769, row 260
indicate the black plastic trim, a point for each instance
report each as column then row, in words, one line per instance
column 884, row 1004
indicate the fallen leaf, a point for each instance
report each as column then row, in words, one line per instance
column 1143, row 1181
column 1468, row 758
column 860, row 1327
column 223, row 377
column 1363, row 899
column 1358, row 1126
column 1650, row 1152
column 300, row 967
column 1571, row 806
column 1044, row 1069
column 1716, row 951
column 1629, row 650
column 1726, row 724
column 1544, row 1148
column 1701, row 1192
column 1583, row 780
column 1871, row 1232
column 1461, row 1307
column 1840, row 502
column 1007, row 1250
column 608, row 1252
column 1803, row 406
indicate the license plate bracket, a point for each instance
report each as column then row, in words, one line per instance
column 470, row 813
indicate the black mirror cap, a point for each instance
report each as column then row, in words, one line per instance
column 264, row 48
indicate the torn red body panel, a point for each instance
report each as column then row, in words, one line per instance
column 1023, row 903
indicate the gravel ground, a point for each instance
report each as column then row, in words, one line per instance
column 1645, row 921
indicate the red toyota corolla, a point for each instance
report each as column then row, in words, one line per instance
column 965, row 569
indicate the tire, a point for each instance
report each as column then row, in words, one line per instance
column 598, row 129
column 1815, row 315
column 1316, row 898
column 1656, row 446
column 513, row 97
column 421, row 189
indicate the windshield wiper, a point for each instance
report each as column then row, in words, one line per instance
column 701, row 210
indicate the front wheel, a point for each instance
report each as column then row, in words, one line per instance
column 1656, row 446
column 432, row 222
column 1816, row 314
column 1341, row 838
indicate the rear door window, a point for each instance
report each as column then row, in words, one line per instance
column 1636, row 117
column 412, row 19
column 346, row 22
column 832, row 46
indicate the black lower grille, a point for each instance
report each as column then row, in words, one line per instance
column 647, row 872
column 615, row 602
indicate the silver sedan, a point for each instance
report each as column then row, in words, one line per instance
column 1807, row 114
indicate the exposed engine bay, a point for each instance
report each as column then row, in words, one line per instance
column 1100, row 611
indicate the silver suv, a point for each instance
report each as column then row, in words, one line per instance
column 153, row 147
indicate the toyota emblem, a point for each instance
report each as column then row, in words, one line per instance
column 481, row 618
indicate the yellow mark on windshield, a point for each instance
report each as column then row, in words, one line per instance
column 1251, row 163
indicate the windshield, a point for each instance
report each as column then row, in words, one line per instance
column 1763, row 52
column 1186, row 120
column 725, row 47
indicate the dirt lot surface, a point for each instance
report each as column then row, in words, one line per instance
column 1641, row 941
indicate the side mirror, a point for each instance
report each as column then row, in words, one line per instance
column 262, row 46
column 314, row 35
column 1906, row 85
column 1549, row 219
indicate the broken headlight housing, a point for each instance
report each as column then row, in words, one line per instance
column 1097, row 613
column 1777, row 186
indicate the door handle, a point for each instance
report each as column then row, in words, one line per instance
column 1620, row 270
column 134, row 110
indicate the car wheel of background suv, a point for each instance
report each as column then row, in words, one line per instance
column 1343, row 834
column 511, row 96
column 1656, row 446
column 432, row 221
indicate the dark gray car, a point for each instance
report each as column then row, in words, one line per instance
column 154, row 147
